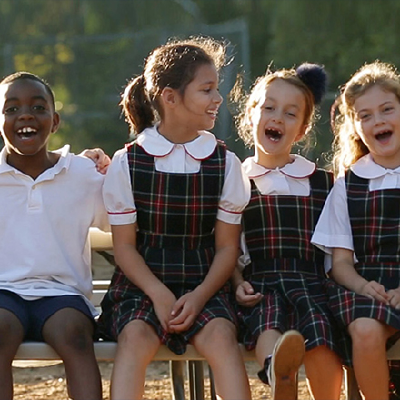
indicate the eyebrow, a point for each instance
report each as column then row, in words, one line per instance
column 289, row 105
column 380, row 105
column 34, row 97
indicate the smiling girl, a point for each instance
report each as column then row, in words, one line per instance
column 175, row 196
column 282, row 289
column 360, row 222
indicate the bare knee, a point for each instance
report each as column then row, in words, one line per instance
column 11, row 330
column 367, row 333
column 217, row 334
column 138, row 334
column 74, row 334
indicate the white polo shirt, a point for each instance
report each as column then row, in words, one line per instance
column 44, row 243
column 174, row 158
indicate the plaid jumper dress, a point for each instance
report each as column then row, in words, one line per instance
column 375, row 223
column 176, row 215
column 286, row 268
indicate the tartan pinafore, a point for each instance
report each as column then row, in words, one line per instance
column 176, row 215
column 375, row 224
column 286, row 268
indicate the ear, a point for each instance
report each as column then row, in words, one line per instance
column 56, row 122
column 170, row 97
column 302, row 133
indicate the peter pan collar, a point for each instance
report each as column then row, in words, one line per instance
column 300, row 168
column 158, row 146
column 366, row 168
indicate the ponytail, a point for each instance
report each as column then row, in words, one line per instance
column 138, row 111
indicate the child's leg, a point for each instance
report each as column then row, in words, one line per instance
column 265, row 345
column 369, row 357
column 70, row 333
column 11, row 336
column 324, row 373
column 218, row 344
column 137, row 345
column 283, row 356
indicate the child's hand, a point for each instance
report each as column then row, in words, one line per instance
column 185, row 311
column 376, row 291
column 100, row 158
column 394, row 296
column 245, row 295
column 163, row 306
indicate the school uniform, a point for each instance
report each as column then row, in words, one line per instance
column 363, row 213
column 285, row 267
column 45, row 259
column 175, row 193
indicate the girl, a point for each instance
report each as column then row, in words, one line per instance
column 360, row 221
column 282, row 290
column 174, row 197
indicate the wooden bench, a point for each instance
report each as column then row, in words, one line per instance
column 191, row 360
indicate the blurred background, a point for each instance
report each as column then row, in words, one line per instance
column 88, row 50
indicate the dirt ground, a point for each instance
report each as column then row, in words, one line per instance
column 47, row 382
column 44, row 381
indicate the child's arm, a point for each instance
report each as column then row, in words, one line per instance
column 134, row 267
column 190, row 305
column 344, row 273
column 101, row 159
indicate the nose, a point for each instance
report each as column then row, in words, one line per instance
column 218, row 98
column 25, row 113
column 378, row 118
column 277, row 116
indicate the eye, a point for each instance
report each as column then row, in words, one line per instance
column 269, row 108
column 10, row 110
column 38, row 107
column 388, row 108
column 364, row 117
column 291, row 114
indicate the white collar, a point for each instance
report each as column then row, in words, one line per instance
column 158, row 146
column 367, row 168
column 62, row 163
column 300, row 168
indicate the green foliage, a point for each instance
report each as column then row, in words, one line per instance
column 88, row 49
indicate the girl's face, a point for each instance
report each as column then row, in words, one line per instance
column 377, row 122
column 277, row 122
column 199, row 104
column 27, row 117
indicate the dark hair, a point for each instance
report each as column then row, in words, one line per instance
column 27, row 75
column 173, row 65
column 310, row 79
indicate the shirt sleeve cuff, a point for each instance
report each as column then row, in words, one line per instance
column 122, row 218
column 229, row 217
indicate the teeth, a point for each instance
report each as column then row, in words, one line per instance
column 26, row 129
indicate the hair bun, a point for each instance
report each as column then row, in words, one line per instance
column 315, row 78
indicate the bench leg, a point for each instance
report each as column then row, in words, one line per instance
column 212, row 384
column 196, row 380
column 351, row 386
column 177, row 374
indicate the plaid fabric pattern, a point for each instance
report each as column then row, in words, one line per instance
column 374, row 218
column 280, row 227
column 176, row 210
column 292, row 279
column 176, row 217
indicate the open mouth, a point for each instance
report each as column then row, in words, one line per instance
column 383, row 136
column 273, row 135
column 26, row 132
